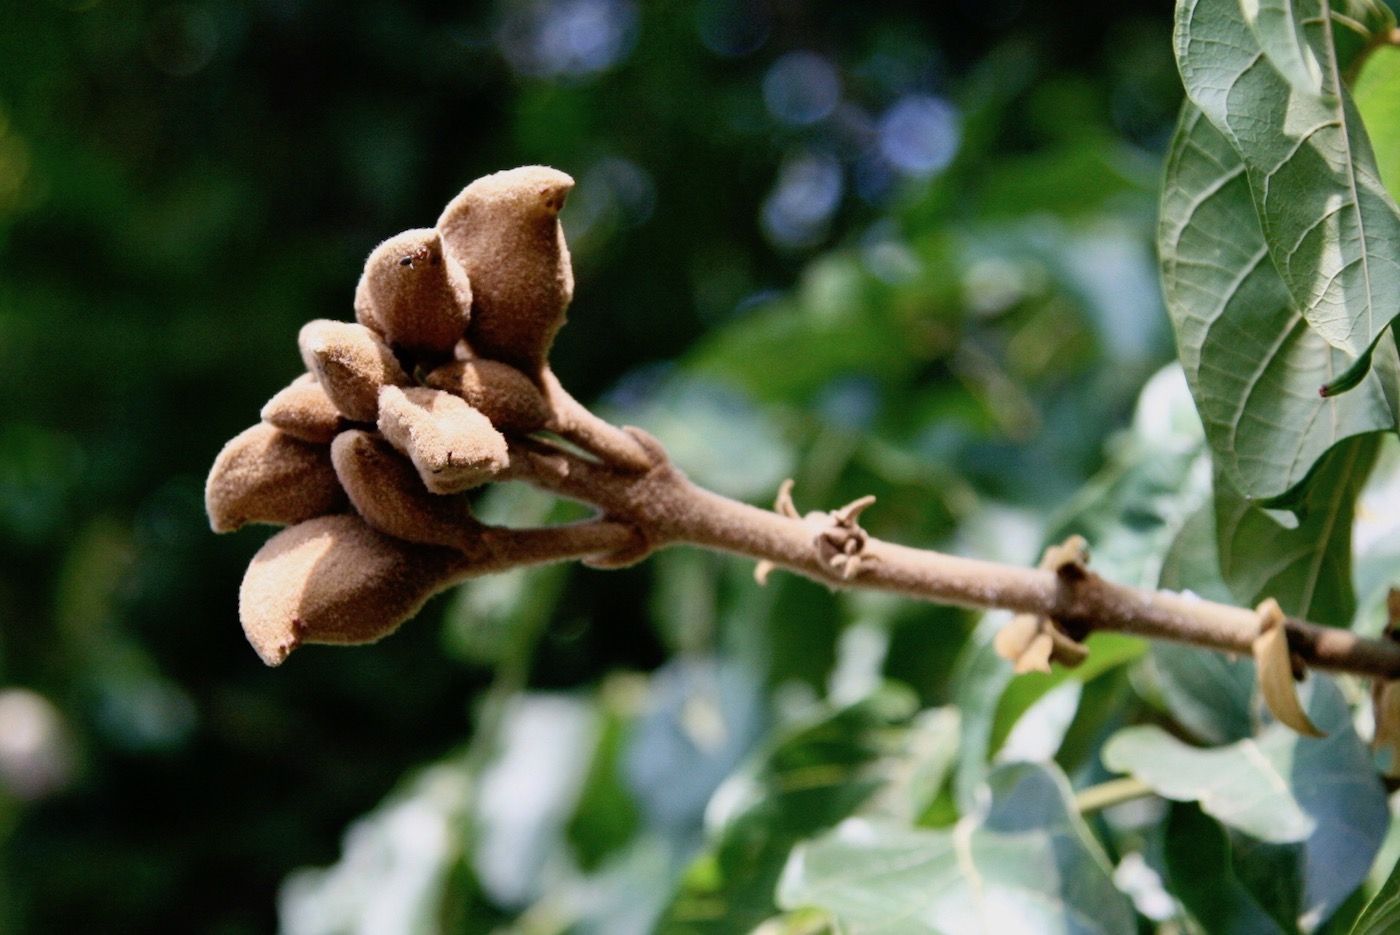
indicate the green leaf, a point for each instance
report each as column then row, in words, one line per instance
column 1200, row 870
column 1253, row 364
column 1332, row 230
column 813, row 777
column 1207, row 692
column 1306, row 568
column 1279, row 33
column 1029, row 866
column 1277, row 788
column 1382, row 914
column 1377, row 95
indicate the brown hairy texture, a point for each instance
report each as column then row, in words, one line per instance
column 351, row 363
column 504, row 230
column 304, row 411
column 265, row 476
column 453, row 446
column 413, row 295
column 498, row 391
column 386, row 489
column 333, row 579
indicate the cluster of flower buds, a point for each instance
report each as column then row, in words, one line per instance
column 366, row 456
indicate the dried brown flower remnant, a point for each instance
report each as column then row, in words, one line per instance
column 413, row 295
column 453, row 446
column 388, row 493
column 504, row 230
column 264, row 475
column 498, row 391
column 304, row 411
column 335, row 580
column 351, row 363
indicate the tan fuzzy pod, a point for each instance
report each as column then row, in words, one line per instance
column 386, row 490
column 453, row 446
column 264, row 475
column 413, row 295
column 503, row 394
column 335, row 580
column 351, row 363
column 504, row 230
column 304, row 411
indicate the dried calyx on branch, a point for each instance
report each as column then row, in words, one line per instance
column 442, row 384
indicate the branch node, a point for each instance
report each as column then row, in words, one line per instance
column 1030, row 642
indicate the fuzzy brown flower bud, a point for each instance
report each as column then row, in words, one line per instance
column 413, row 295
column 387, row 491
column 265, row 476
column 453, row 446
column 304, row 411
column 333, row 579
column 504, row 230
column 498, row 391
column 351, row 363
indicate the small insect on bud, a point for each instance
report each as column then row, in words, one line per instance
column 304, row 411
column 386, row 490
column 413, row 295
column 453, row 446
column 264, row 475
column 498, row 391
column 351, row 363
column 504, row 229
column 333, row 579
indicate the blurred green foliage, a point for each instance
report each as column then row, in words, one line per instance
column 893, row 248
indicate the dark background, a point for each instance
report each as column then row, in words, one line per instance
column 183, row 185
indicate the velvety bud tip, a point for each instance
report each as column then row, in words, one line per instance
column 504, row 230
column 265, row 476
column 304, row 411
column 414, row 295
column 386, row 490
column 507, row 397
column 351, row 363
column 453, row 446
column 335, row 580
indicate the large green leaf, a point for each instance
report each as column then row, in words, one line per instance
column 1200, row 869
column 811, row 778
column 1277, row 788
column 1253, row 364
column 1029, row 866
column 1332, row 230
column 1306, row 568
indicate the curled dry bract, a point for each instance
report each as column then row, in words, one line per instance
column 504, row 229
column 304, row 411
column 498, row 391
column 351, row 363
column 413, row 295
column 388, row 493
column 335, row 580
column 264, row 475
column 453, row 446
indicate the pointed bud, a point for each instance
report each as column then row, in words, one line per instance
column 265, row 476
column 453, row 446
column 351, row 363
column 333, row 579
column 385, row 488
column 504, row 230
column 413, row 295
column 507, row 397
column 304, row 411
